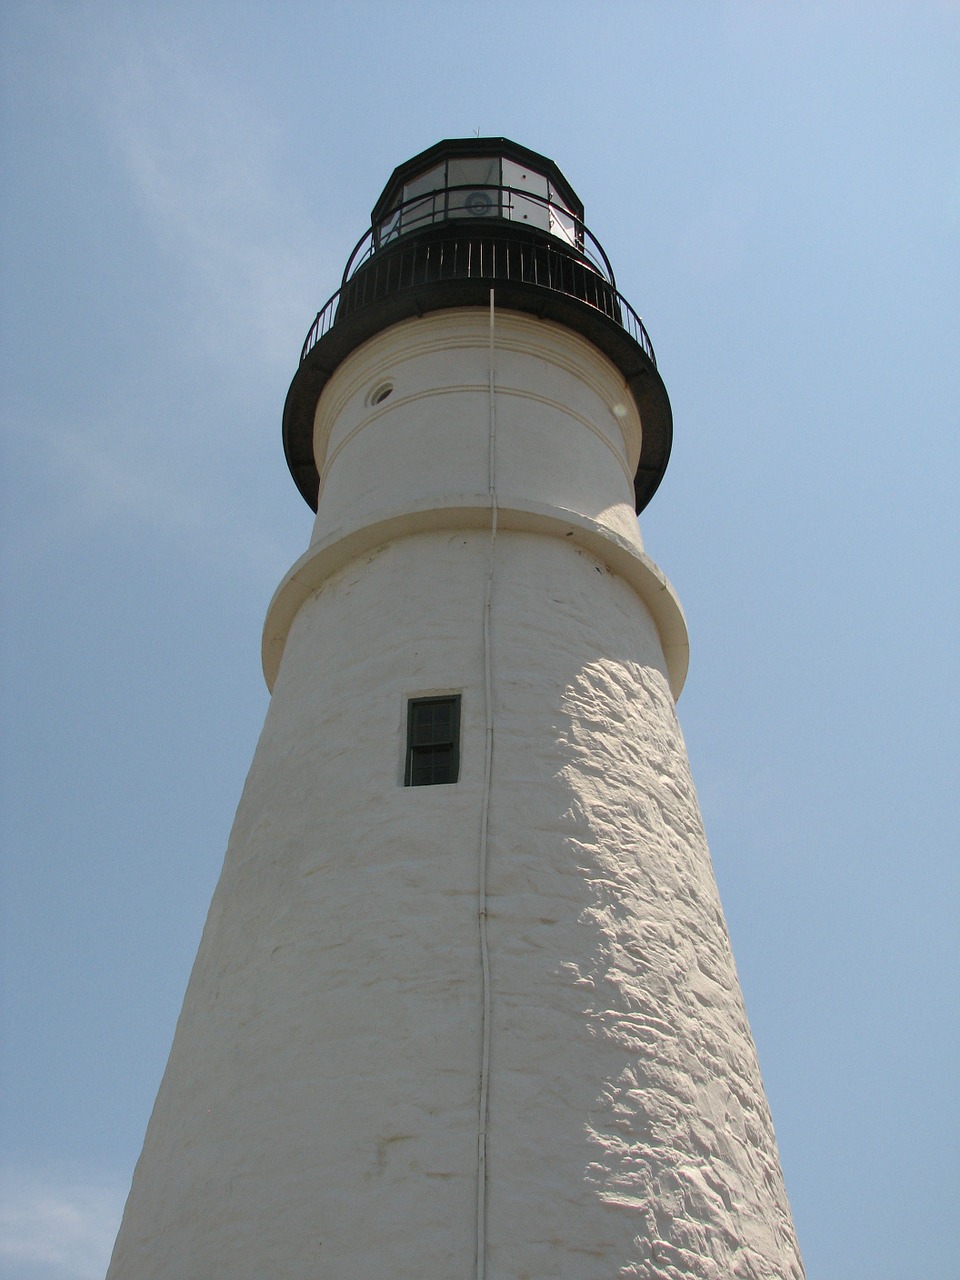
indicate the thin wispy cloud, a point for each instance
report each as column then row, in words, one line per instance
column 56, row 1229
column 202, row 163
column 200, row 167
column 203, row 167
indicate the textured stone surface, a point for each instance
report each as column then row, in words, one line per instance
column 318, row 1115
column 615, row 945
column 319, row 1112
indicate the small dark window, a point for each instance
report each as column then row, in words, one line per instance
column 433, row 741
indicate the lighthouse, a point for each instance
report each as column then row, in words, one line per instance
column 464, row 1007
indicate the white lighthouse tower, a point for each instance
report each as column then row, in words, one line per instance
column 464, row 1007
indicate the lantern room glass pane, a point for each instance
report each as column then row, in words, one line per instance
column 428, row 209
column 562, row 224
column 473, row 187
column 533, row 212
column 389, row 228
column 562, row 221
column 431, row 180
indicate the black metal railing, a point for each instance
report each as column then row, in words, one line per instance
column 510, row 204
column 401, row 267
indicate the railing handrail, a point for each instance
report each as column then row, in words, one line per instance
column 585, row 241
column 417, row 253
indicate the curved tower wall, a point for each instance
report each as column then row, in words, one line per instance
column 567, row 430
column 320, row 1111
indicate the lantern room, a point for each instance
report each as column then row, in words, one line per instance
column 478, row 178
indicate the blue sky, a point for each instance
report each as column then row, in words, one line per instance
column 778, row 188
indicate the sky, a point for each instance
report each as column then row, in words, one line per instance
column 778, row 188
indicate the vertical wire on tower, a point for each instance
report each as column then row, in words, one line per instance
column 484, row 822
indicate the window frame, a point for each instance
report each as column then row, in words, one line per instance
column 449, row 743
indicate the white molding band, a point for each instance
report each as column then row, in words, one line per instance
column 474, row 511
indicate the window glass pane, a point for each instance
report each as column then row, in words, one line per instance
column 419, row 213
column 432, row 180
column 432, row 723
column 532, row 212
column 563, row 225
column 427, row 210
column 433, row 741
column 556, row 198
column 472, row 174
column 432, row 765
column 562, row 221
column 474, row 171
column 389, row 228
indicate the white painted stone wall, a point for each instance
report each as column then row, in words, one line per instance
column 568, row 432
column 318, row 1116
